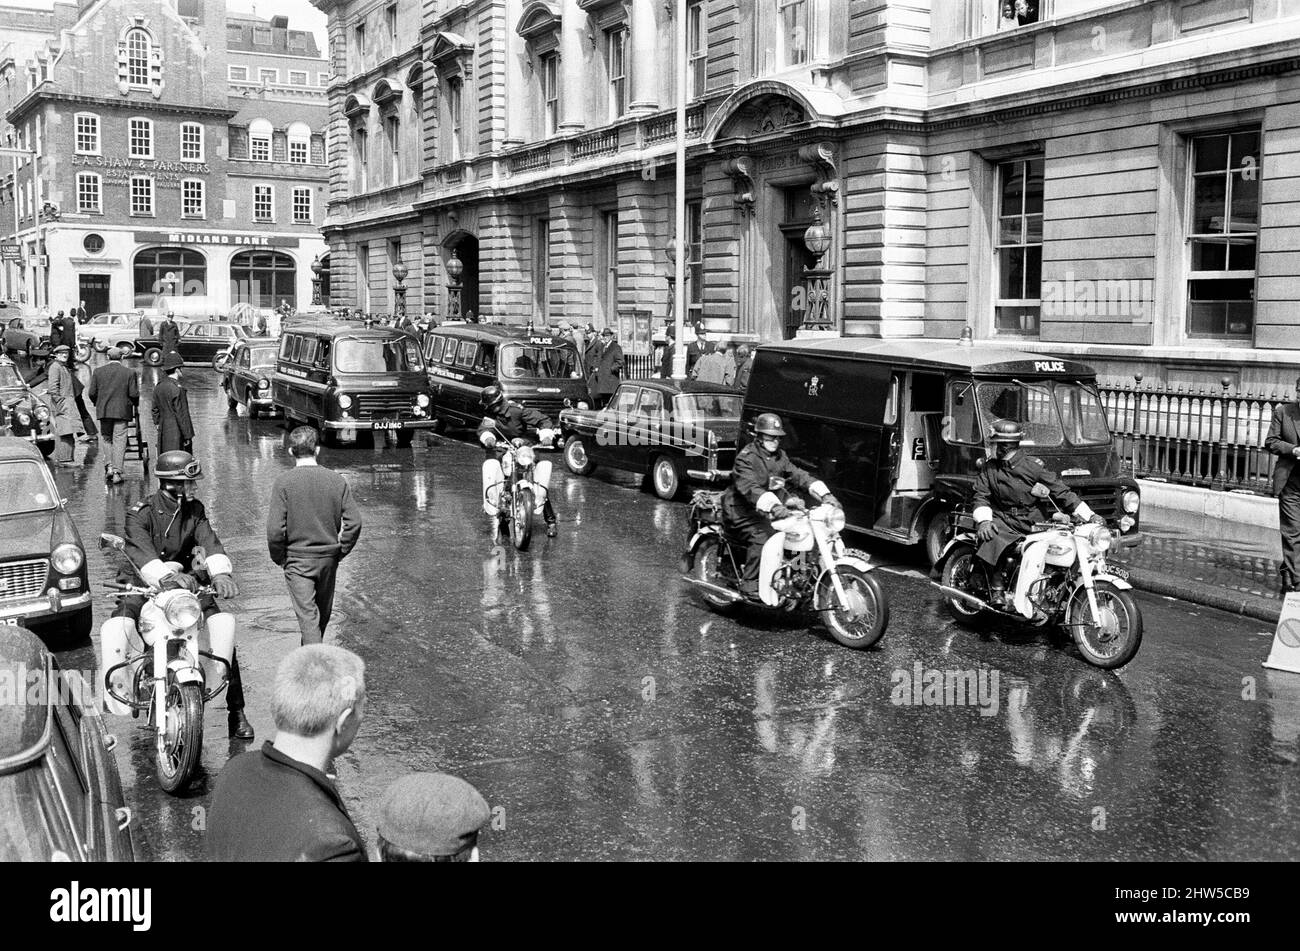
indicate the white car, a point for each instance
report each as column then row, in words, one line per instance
column 111, row 329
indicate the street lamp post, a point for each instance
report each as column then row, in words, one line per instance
column 400, row 271
column 454, row 270
column 817, row 240
column 315, row 281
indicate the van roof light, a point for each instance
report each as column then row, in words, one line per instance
column 967, row 337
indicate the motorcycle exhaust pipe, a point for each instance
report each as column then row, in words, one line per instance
column 965, row 596
column 714, row 589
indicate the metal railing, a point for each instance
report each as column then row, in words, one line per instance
column 1204, row 436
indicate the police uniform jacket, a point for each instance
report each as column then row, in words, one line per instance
column 171, row 414
column 514, row 422
column 1003, row 489
column 759, row 481
column 169, row 336
column 162, row 529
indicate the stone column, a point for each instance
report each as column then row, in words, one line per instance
column 646, row 68
column 573, row 53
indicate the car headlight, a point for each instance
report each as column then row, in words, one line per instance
column 42, row 413
column 345, row 401
column 67, row 559
column 263, row 384
column 835, row 519
column 1099, row 537
column 182, row 610
column 24, row 419
column 422, row 400
column 582, row 404
column 525, row 456
column 1131, row 500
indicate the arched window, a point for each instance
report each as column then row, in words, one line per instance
column 299, row 136
column 170, row 272
column 263, row 279
column 138, row 48
column 259, row 140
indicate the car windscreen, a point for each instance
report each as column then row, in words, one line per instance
column 523, row 360
column 261, row 357
column 1082, row 415
column 689, row 407
column 9, row 376
column 355, row 355
column 1029, row 404
column 24, row 487
column 1050, row 413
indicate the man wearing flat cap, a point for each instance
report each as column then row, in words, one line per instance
column 60, row 393
column 431, row 817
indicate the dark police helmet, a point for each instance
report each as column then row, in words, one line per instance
column 493, row 397
column 177, row 465
column 1006, row 431
column 768, row 424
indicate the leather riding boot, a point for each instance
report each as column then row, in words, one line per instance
column 239, row 725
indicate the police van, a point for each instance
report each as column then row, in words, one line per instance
column 898, row 428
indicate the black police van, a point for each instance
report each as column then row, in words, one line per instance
column 537, row 369
column 898, row 428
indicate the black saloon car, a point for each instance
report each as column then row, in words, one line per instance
column 247, row 376
column 23, row 413
column 199, row 341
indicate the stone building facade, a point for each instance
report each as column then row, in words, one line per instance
column 1109, row 180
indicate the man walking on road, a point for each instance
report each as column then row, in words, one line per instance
column 171, row 408
column 115, row 391
column 312, row 525
column 1284, row 442
column 169, row 334
column 63, row 402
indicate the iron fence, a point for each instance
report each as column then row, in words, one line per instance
column 1207, row 436
column 640, row 366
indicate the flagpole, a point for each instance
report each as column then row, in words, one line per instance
column 679, row 263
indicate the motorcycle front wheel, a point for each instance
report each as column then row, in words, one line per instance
column 862, row 620
column 179, row 744
column 521, row 519
column 1112, row 639
column 964, row 571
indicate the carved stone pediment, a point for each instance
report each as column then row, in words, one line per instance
column 764, row 116
column 539, row 19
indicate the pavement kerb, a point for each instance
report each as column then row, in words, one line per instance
column 1238, row 508
column 1234, row 602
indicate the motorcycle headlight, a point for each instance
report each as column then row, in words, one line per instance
column 1131, row 501
column 1099, row 538
column 182, row 610
column 67, row 559
column 422, row 401
column 42, row 413
column 835, row 519
column 345, row 401
column 24, row 419
column 526, row 456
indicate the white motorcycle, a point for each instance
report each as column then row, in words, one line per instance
column 516, row 487
column 163, row 669
column 805, row 565
column 1060, row 576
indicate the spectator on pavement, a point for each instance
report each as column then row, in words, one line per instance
column 670, row 349
column 61, row 392
column 431, row 817
column 312, row 525
column 115, row 391
column 745, row 366
column 717, row 366
column 279, row 804
column 697, row 348
column 1284, row 442
column 171, row 408
column 606, row 369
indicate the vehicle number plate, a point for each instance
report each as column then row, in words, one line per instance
column 386, row 424
column 8, row 622
column 1117, row 571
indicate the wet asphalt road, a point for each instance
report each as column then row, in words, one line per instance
column 606, row 713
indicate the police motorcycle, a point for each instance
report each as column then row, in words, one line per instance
column 1071, row 585
column 525, row 489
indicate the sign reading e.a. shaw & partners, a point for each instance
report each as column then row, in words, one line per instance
column 231, row 238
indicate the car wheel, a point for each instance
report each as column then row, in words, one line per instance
column 99, row 345
column 667, row 477
column 248, row 401
column 575, row 457
column 153, row 357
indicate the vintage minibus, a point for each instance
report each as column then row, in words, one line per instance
column 898, row 428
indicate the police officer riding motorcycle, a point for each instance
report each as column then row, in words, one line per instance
column 166, row 528
column 1008, row 501
column 508, row 420
column 761, row 481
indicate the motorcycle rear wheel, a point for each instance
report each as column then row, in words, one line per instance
column 177, row 750
column 521, row 519
column 863, row 621
column 1114, row 642
column 707, row 568
column 964, row 571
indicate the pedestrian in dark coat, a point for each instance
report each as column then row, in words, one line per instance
column 670, row 350
column 57, row 332
column 278, row 804
column 169, row 334
column 60, row 391
column 607, row 368
column 746, row 366
column 696, row 349
column 115, row 391
column 1284, row 442
column 312, row 525
column 88, row 428
column 171, row 408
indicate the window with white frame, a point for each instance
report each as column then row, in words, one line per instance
column 616, row 62
column 302, row 205
column 322, row 79
column 237, row 73
column 793, row 31
column 89, row 197
column 551, row 91
column 1019, row 247
column 695, row 259
column 141, row 195
column 271, row 76
column 140, row 138
column 259, row 140
column 455, row 109
column 390, row 16
column 263, row 203
column 697, row 45
column 191, row 142
column 1223, row 234
column 262, row 36
column 299, row 138
column 193, row 203
column 360, row 158
column 87, row 133
column 297, row 77
column 393, row 133
column 138, row 51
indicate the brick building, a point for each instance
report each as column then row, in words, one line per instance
column 163, row 181
column 1110, row 180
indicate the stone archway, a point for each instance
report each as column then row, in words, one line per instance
column 464, row 246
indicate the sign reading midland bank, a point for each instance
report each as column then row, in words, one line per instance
column 215, row 237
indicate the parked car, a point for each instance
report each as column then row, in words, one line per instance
column 199, row 342
column 110, row 330
column 22, row 412
column 58, row 779
column 247, row 376
column 672, row 431
column 898, row 428
column 43, row 580
column 26, row 335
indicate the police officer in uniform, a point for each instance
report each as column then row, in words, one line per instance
column 1006, row 507
column 761, row 478
column 510, row 420
column 167, row 527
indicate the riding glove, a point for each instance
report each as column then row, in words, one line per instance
column 178, row 580
column 225, row 585
column 986, row 531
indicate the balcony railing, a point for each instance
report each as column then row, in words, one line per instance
column 604, row 142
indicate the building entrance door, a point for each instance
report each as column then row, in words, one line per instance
column 93, row 290
column 798, row 216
